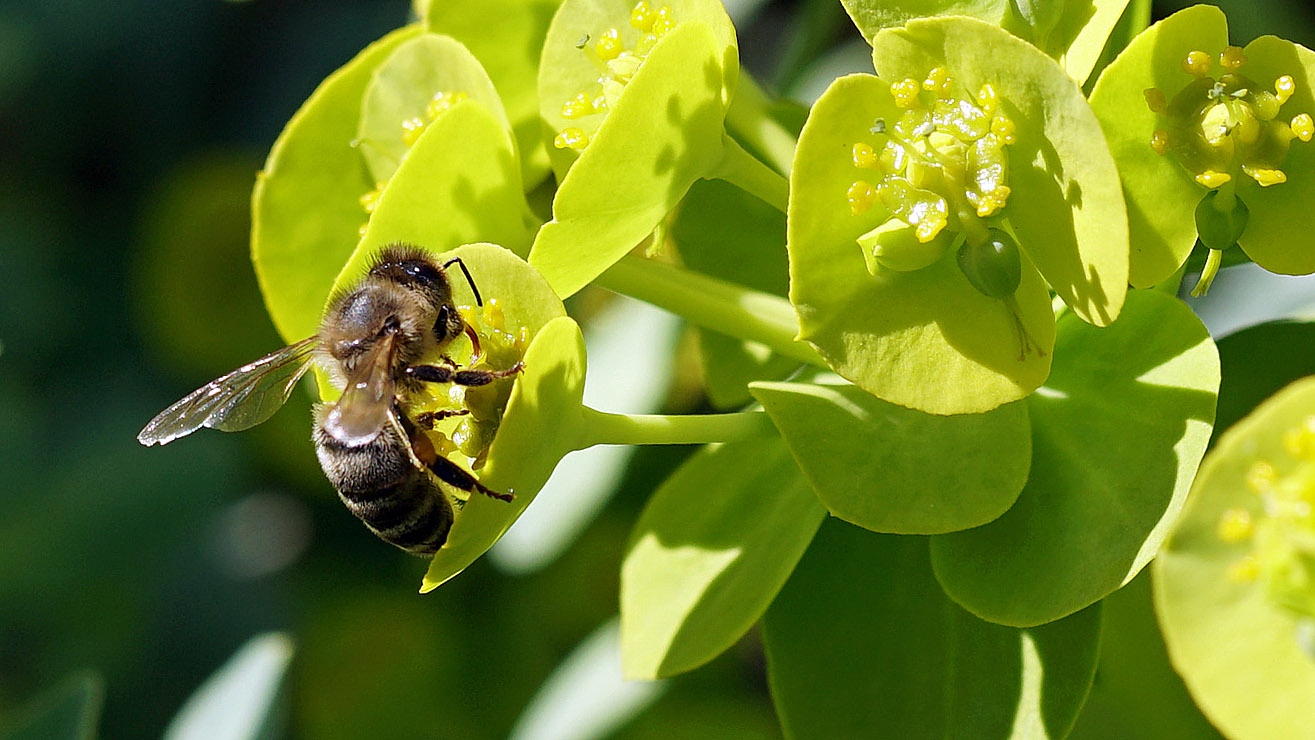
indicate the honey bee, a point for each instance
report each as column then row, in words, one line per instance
column 371, row 343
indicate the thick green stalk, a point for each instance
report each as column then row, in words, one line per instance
column 744, row 171
column 713, row 304
column 603, row 428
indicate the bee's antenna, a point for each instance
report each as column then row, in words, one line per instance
column 478, row 301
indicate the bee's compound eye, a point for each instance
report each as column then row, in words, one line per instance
column 421, row 272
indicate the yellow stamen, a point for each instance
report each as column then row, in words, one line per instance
column 1196, row 63
column 1232, row 58
column 1245, row 569
column 1155, row 99
column 493, row 315
column 578, row 107
column 993, row 201
column 1303, row 126
column 571, row 138
column 1005, row 129
column 861, row 196
column 1210, row 178
column 370, row 200
column 1160, row 142
column 987, row 98
column 1284, row 87
column 664, row 22
column 905, row 92
column 937, row 82
column 411, row 130
column 865, row 157
column 1300, row 441
column 1265, row 176
column 1261, row 477
column 608, row 45
column 642, row 16
column 1235, row 525
column 441, row 102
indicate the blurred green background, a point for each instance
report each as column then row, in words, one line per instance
column 130, row 134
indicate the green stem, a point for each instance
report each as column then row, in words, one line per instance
column 712, row 304
column 748, row 120
column 1213, row 259
column 603, row 428
column 742, row 170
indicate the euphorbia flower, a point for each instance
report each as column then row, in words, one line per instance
column 970, row 142
column 1210, row 140
column 635, row 95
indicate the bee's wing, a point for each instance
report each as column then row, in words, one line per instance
column 363, row 409
column 238, row 400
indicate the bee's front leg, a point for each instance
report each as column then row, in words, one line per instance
column 444, row 374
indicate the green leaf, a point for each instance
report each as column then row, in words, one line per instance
column 1160, row 195
column 511, row 57
column 1118, row 432
column 1257, row 361
column 1236, row 648
column 405, row 84
column 69, row 711
column 459, row 184
column 722, row 231
column 927, row 339
column 1136, row 694
column 873, row 16
column 305, row 209
column 240, row 700
column 1067, row 206
column 891, row 469
column 662, row 133
column 541, row 424
column 862, row 643
column 701, row 569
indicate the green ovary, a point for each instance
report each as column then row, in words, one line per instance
column 616, row 66
column 1281, row 529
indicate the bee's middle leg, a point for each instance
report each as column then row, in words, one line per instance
column 444, row 374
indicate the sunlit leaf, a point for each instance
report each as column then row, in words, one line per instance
column 305, row 209
column 1118, row 432
column 701, row 569
column 863, row 643
column 891, row 469
column 239, row 701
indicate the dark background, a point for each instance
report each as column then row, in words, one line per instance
column 130, row 134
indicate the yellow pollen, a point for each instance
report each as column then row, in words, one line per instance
column 1284, row 87
column 1245, row 569
column 411, row 130
column 1234, row 525
column 938, row 81
column 1196, row 63
column 441, row 102
column 1261, row 477
column 361, row 231
column 987, row 98
column 370, row 200
column 1155, row 99
column 1004, row 128
column 1265, row 176
column 861, row 196
column 1303, row 126
column 493, row 315
column 578, row 107
column 1160, row 142
column 571, row 138
column 931, row 224
column 993, row 201
column 608, row 45
column 600, row 103
column 905, row 92
column 1232, row 58
column 642, row 16
column 1300, row 440
column 865, row 157
column 1212, row 178
column 664, row 22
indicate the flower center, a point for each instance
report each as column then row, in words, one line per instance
column 616, row 65
column 1218, row 127
column 942, row 163
column 1281, row 530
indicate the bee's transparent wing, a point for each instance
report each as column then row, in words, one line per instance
column 363, row 409
column 238, row 400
